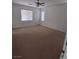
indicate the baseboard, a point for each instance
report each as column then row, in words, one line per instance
column 25, row 26
column 53, row 29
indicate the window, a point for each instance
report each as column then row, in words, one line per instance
column 26, row 15
column 42, row 16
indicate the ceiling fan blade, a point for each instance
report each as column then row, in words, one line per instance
column 42, row 3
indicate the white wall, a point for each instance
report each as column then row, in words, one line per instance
column 16, row 16
column 56, row 17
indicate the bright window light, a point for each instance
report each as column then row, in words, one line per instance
column 26, row 15
column 42, row 16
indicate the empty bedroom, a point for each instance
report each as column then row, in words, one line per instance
column 39, row 29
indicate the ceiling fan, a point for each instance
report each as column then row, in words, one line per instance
column 38, row 3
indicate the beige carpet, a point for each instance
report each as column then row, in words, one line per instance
column 37, row 42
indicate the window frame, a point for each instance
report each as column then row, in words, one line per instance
column 26, row 19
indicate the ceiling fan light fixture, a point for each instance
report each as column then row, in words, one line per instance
column 38, row 3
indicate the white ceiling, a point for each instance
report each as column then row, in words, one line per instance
column 32, row 2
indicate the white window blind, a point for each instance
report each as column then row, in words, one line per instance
column 26, row 15
column 42, row 16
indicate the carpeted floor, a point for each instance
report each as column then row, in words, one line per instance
column 37, row 42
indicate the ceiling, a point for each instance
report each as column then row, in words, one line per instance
column 32, row 2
